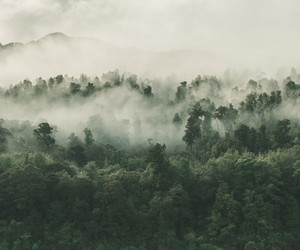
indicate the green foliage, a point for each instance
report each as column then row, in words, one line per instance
column 193, row 126
column 260, row 103
column 88, row 137
column 4, row 133
column 156, row 153
column 177, row 121
column 148, row 91
column 232, row 202
column 89, row 89
column 74, row 88
column 281, row 133
column 43, row 135
column 76, row 151
column 290, row 89
column 236, row 185
column 181, row 92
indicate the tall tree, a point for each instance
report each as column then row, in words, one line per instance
column 193, row 126
column 281, row 133
column 88, row 137
column 4, row 133
column 43, row 135
column 181, row 92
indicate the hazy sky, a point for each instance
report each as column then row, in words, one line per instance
column 252, row 27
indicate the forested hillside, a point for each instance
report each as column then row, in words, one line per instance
column 120, row 162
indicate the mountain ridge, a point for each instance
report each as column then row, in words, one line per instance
column 58, row 53
column 60, row 36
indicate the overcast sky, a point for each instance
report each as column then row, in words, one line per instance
column 268, row 28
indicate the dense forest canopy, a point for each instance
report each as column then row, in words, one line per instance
column 120, row 162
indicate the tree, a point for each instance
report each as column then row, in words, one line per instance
column 206, row 124
column 76, row 150
column 263, row 140
column 275, row 98
column 181, row 92
column 250, row 103
column 156, row 153
column 4, row 133
column 132, row 81
column 158, row 166
column 59, row 79
column 74, row 88
column 27, row 85
column 246, row 137
column 221, row 112
column 43, row 135
column 89, row 89
column 290, row 89
column 112, row 77
column 177, row 121
column 51, row 82
column 225, row 216
column 227, row 115
column 41, row 87
column 107, row 85
column 281, row 133
column 252, row 85
column 148, row 91
column 88, row 137
column 193, row 126
column 196, row 82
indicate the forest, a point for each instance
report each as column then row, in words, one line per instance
column 121, row 162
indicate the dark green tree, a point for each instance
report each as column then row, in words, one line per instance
column 74, row 88
column 89, row 89
column 252, row 85
column 181, row 92
column 249, row 105
column 4, row 133
column 76, row 150
column 281, row 133
column 59, row 79
column 177, row 121
column 43, row 135
column 227, row 115
column 132, row 81
column 148, row 91
column 41, row 87
column 156, row 154
column 275, row 98
column 193, row 126
column 221, row 112
column 88, row 137
column 246, row 137
column 263, row 140
column 158, row 166
column 51, row 82
column 290, row 89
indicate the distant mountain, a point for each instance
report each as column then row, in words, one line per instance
column 10, row 45
column 57, row 53
column 55, row 36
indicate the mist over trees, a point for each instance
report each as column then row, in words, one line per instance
column 122, row 162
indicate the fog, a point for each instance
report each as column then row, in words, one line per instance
column 232, row 34
column 58, row 53
column 120, row 112
column 120, row 116
column 164, row 43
